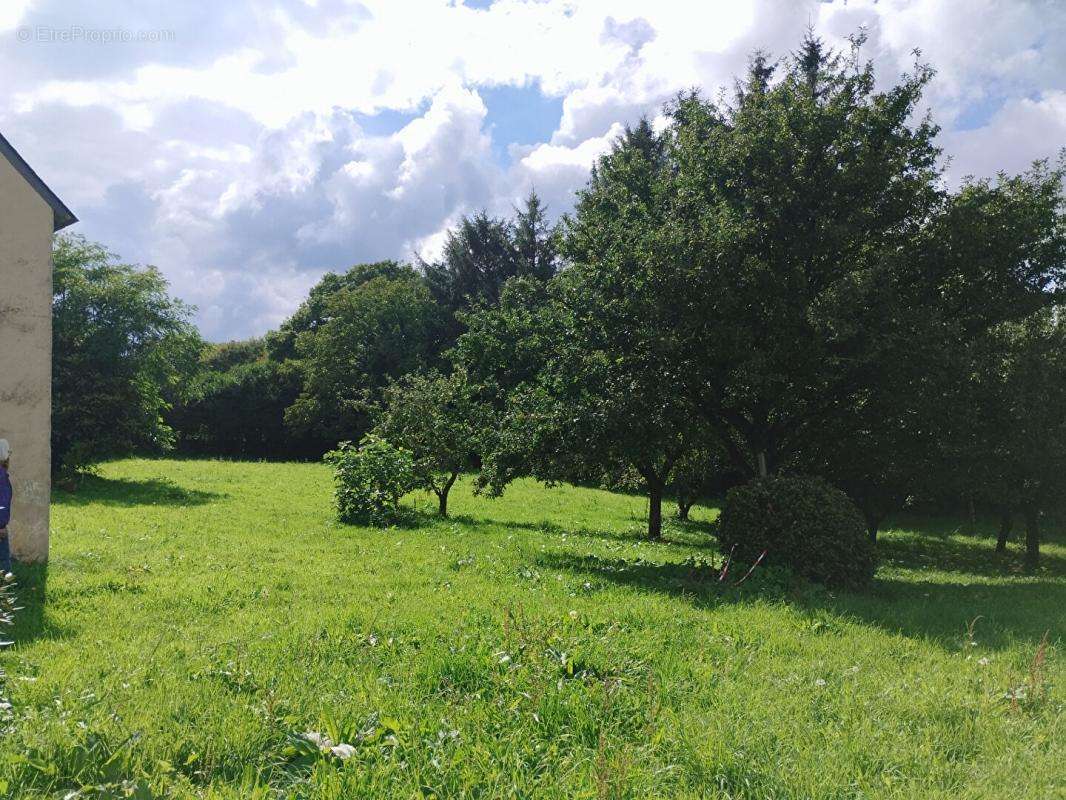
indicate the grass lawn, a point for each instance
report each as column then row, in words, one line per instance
column 197, row 617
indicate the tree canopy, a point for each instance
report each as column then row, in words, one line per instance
column 596, row 398
column 370, row 334
column 438, row 419
column 123, row 350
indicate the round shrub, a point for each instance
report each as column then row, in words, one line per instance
column 802, row 523
column 370, row 480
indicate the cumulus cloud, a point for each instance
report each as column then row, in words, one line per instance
column 1021, row 131
column 319, row 193
column 270, row 140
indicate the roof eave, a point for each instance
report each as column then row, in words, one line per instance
column 61, row 215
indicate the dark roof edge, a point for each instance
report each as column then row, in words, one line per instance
column 61, row 215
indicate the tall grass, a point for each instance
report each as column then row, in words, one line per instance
column 199, row 619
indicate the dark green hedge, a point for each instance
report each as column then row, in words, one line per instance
column 802, row 523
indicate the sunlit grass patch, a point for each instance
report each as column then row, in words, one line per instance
column 199, row 619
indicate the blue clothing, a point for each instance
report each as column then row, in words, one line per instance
column 5, row 517
column 5, row 498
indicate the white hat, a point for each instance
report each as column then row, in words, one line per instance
column 5, row 450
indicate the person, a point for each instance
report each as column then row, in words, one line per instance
column 5, row 508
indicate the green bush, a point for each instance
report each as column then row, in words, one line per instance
column 802, row 523
column 370, row 480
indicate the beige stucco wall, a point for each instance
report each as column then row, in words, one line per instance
column 26, row 357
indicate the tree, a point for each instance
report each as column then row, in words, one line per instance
column 123, row 350
column 881, row 445
column 700, row 473
column 482, row 253
column 1013, row 446
column 314, row 311
column 811, row 244
column 236, row 405
column 990, row 254
column 370, row 334
column 788, row 203
column 535, row 241
column 594, row 394
column 438, row 420
column 479, row 257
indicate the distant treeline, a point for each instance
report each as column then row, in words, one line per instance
column 317, row 380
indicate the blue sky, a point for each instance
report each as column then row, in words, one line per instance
column 519, row 115
column 247, row 147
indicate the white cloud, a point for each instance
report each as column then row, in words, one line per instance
column 1020, row 132
column 240, row 160
column 319, row 193
column 12, row 12
column 544, row 157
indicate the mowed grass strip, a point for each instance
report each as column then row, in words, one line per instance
column 197, row 617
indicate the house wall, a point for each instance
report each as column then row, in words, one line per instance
column 26, row 223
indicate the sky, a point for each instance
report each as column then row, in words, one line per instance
column 246, row 147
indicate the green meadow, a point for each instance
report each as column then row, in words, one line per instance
column 199, row 618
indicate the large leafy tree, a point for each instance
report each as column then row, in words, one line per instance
column 368, row 335
column 314, row 311
column 788, row 203
column 990, row 256
column 881, row 448
column 123, row 350
column 236, row 404
column 582, row 368
column 812, row 243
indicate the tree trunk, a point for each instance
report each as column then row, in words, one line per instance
column 971, row 514
column 873, row 520
column 762, row 463
column 1006, row 525
column 1032, row 538
column 682, row 509
column 655, row 510
column 442, row 495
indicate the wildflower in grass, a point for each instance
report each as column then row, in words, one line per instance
column 343, row 751
column 319, row 740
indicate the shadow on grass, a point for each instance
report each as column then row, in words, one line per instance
column 128, row 492
column 696, row 532
column 693, row 533
column 697, row 583
column 1008, row 610
column 402, row 522
column 962, row 554
column 31, row 622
